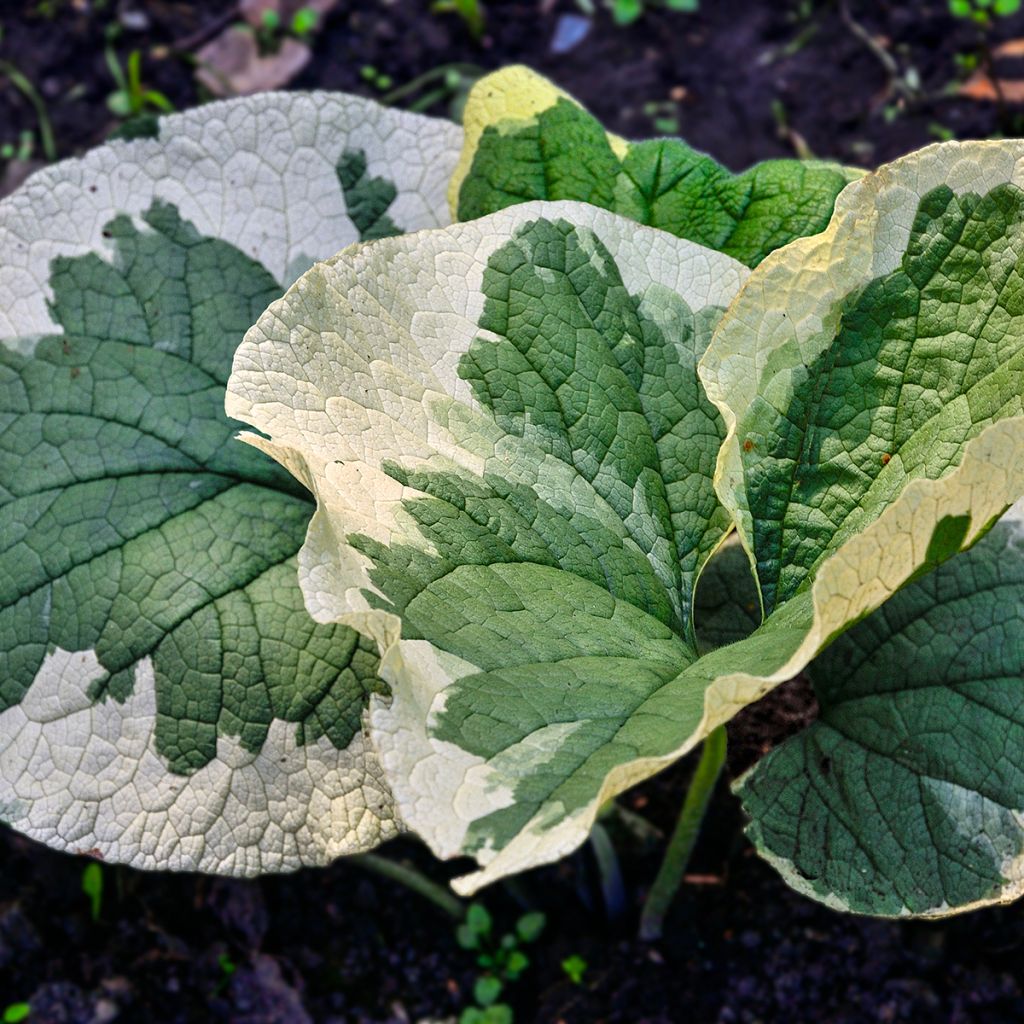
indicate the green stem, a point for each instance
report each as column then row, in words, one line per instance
column 612, row 889
column 412, row 879
column 684, row 836
column 466, row 70
column 28, row 90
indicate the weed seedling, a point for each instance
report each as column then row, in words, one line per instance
column 470, row 11
column 131, row 98
column 503, row 959
column 574, row 967
column 92, row 886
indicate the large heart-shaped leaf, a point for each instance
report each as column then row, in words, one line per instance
column 526, row 140
column 502, row 478
column 165, row 698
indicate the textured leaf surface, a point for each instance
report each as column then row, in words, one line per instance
column 907, row 795
column 166, row 700
column 497, row 482
column 522, row 476
column 870, row 356
column 527, row 140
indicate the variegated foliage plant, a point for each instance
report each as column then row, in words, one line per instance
column 526, row 437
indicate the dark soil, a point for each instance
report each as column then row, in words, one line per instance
column 744, row 81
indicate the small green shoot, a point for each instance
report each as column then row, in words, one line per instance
column 470, row 11
column 271, row 32
column 574, row 967
column 663, row 116
column 376, row 78
column 227, row 969
column 24, row 149
column 941, row 132
column 92, row 886
column 502, row 959
column 16, row 1012
column 625, row 12
column 981, row 12
column 29, row 91
column 305, row 22
column 131, row 98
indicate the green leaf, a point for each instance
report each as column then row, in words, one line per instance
column 727, row 607
column 538, row 516
column 527, row 140
column 487, row 990
column 478, row 921
column 500, row 486
column 92, row 887
column 165, row 698
column 870, row 357
column 15, row 1013
column 906, row 796
column 575, row 968
column 517, row 962
column 466, row 937
column 530, row 926
column 625, row 12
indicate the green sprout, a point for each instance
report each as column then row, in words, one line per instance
column 304, row 22
column 376, row 78
column 574, row 968
column 92, row 886
column 625, row 12
column 981, row 12
column 470, row 11
column 502, row 959
column 131, row 98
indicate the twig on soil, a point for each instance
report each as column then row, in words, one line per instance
column 897, row 81
column 191, row 42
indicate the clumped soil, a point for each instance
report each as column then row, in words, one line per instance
column 744, row 81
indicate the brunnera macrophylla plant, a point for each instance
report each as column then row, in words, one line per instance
column 527, row 438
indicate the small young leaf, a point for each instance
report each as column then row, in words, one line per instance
column 530, row 926
column 478, row 920
column 499, row 1013
column 574, row 967
column 92, row 886
column 516, row 963
column 487, row 989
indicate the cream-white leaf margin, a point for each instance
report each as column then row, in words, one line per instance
column 260, row 173
column 788, row 312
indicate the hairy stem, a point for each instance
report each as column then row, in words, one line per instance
column 684, row 836
column 412, row 879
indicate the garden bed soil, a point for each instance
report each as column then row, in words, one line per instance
column 743, row 81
